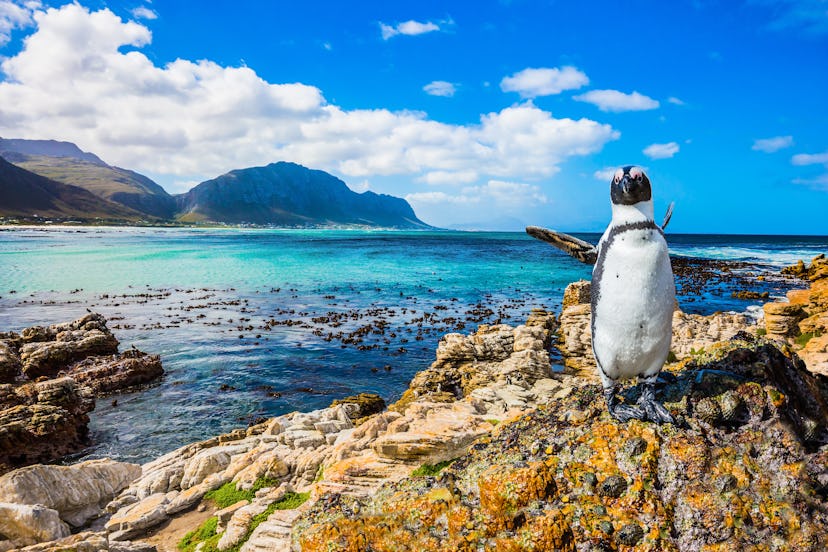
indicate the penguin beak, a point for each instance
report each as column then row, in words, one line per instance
column 626, row 185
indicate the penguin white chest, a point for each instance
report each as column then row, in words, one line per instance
column 632, row 304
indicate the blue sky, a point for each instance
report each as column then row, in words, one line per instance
column 482, row 114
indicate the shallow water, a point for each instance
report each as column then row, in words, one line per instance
column 291, row 319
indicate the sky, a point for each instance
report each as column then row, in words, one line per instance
column 483, row 115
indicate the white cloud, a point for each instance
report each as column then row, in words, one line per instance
column 410, row 28
column 661, row 151
column 615, row 101
column 507, row 195
column 770, row 145
column 606, row 174
column 449, row 177
column 194, row 120
column 440, row 88
column 15, row 14
column 675, row 101
column 533, row 82
column 810, row 159
column 810, row 16
column 143, row 12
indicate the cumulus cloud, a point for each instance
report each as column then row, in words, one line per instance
column 15, row 14
column 605, row 174
column 143, row 12
column 410, row 28
column 810, row 159
column 661, row 151
column 188, row 120
column 615, row 101
column 675, row 101
column 505, row 194
column 770, row 145
column 440, row 88
column 534, row 82
column 449, row 177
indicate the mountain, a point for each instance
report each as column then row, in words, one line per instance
column 65, row 162
column 52, row 148
column 26, row 194
column 288, row 194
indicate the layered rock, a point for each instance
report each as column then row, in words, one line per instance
column 78, row 492
column 803, row 318
column 477, row 381
column 43, row 420
column 735, row 474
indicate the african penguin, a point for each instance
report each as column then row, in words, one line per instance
column 633, row 294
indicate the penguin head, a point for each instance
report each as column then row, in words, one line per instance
column 630, row 186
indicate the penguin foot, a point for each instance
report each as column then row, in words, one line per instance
column 619, row 411
column 652, row 409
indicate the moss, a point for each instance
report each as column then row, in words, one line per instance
column 761, row 331
column 671, row 357
column 431, row 469
column 206, row 533
column 493, row 421
column 803, row 339
column 228, row 494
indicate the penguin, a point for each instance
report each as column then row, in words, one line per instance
column 632, row 294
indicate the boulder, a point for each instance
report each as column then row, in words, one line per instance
column 10, row 365
column 106, row 374
column 782, row 319
column 25, row 524
column 42, row 421
column 78, row 492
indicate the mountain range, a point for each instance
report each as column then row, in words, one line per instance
column 52, row 179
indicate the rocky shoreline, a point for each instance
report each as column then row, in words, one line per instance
column 534, row 461
column 49, row 379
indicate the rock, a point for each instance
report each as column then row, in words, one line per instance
column 551, row 480
column 135, row 519
column 367, row 404
column 25, row 524
column 576, row 293
column 78, row 492
column 43, row 421
column 46, row 350
column 817, row 270
column 575, row 340
column 493, row 353
column 40, row 422
column 117, row 372
column 239, row 523
column 782, row 319
column 225, row 514
column 10, row 365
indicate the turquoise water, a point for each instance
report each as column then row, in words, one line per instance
column 255, row 323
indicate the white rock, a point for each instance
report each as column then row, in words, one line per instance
column 26, row 524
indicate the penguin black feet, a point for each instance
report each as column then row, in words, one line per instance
column 653, row 410
column 619, row 411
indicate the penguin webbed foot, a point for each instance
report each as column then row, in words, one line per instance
column 620, row 411
column 653, row 410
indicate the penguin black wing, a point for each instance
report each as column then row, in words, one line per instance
column 668, row 215
column 581, row 250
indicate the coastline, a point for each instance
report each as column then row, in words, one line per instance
column 479, row 387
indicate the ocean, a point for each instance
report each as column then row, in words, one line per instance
column 252, row 323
